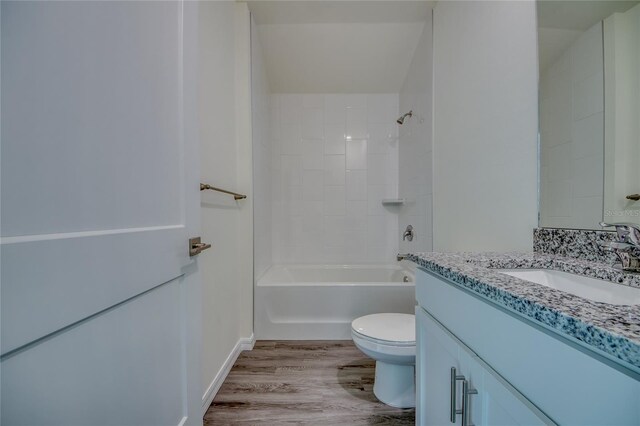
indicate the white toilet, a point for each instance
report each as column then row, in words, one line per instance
column 390, row 339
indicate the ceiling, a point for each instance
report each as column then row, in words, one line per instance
column 338, row 46
column 578, row 14
column 560, row 23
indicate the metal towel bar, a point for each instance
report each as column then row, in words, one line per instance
column 236, row 196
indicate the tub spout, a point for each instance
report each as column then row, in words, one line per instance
column 400, row 257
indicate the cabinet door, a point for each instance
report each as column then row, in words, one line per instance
column 502, row 405
column 436, row 355
column 496, row 401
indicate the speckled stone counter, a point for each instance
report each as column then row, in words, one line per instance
column 610, row 329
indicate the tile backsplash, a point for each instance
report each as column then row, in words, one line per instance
column 334, row 158
column 576, row 243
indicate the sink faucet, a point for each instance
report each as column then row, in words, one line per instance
column 627, row 247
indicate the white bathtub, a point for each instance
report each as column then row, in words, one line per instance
column 305, row 302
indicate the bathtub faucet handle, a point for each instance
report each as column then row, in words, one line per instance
column 408, row 233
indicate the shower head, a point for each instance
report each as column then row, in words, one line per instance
column 401, row 119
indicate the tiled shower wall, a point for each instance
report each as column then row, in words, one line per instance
column 572, row 135
column 334, row 158
column 415, row 150
column 262, row 173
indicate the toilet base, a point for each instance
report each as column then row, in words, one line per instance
column 395, row 384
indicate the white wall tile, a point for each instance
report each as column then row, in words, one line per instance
column 290, row 139
column 322, row 179
column 375, row 195
column 382, row 169
column 312, row 123
column 334, row 200
column 356, row 151
column 356, row 210
column 291, row 170
column 382, row 108
column 588, row 95
column 356, row 123
column 290, row 107
column 335, row 109
column 313, row 186
column 572, row 111
column 588, row 135
column 381, row 139
column 291, row 201
column 356, row 185
column 334, row 142
column 586, row 53
column 312, row 154
column 587, row 175
column 334, row 231
column 312, row 211
column 334, row 170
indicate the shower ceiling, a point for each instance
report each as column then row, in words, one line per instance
column 338, row 46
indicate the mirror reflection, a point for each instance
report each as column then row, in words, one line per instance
column 589, row 58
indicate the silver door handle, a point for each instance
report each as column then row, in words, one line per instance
column 196, row 247
column 466, row 391
column 454, row 379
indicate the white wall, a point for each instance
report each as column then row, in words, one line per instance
column 485, row 125
column 415, row 148
column 260, row 99
column 572, row 135
column 225, row 116
column 335, row 158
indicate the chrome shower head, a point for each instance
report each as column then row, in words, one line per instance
column 401, row 119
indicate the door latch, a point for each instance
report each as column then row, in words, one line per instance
column 196, row 246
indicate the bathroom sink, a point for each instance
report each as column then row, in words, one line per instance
column 589, row 288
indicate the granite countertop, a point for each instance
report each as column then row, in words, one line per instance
column 611, row 329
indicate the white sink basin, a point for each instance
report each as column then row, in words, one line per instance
column 589, row 288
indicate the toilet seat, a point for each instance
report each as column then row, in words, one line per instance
column 388, row 329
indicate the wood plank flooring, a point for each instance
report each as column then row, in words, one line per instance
column 302, row 383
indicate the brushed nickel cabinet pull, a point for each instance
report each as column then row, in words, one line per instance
column 466, row 391
column 454, row 378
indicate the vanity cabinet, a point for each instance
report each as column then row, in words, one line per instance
column 523, row 373
column 455, row 386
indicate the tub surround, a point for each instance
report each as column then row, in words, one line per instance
column 611, row 330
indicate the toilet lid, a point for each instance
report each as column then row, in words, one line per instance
column 387, row 327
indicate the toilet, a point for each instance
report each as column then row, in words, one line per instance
column 390, row 339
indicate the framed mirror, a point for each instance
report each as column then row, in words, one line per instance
column 589, row 80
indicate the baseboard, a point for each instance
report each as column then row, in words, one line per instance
column 243, row 344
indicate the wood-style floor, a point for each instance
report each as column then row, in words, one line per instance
column 302, row 382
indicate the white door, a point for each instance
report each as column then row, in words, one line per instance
column 99, row 195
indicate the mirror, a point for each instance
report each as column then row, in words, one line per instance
column 589, row 162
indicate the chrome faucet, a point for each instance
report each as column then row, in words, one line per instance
column 627, row 247
column 408, row 233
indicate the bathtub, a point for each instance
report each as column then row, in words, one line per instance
column 318, row 302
